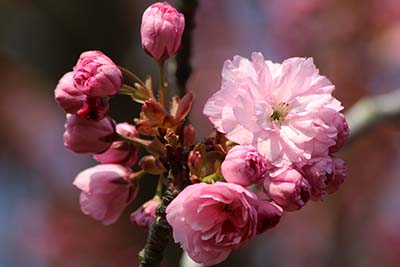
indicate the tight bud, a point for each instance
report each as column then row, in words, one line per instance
column 95, row 74
column 161, row 30
column 88, row 136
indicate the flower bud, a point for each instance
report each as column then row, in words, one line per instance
column 268, row 215
column 95, row 74
column 106, row 191
column 151, row 165
column 146, row 214
column 94, row 108
column 343, row 132
column 325, row 175
column 88, row 136
column 243, row 165
column 67, row 96
column 121, row 152
column 161, row 30
column 289, row 189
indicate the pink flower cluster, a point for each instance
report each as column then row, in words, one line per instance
column 287, row 113
column 84, row 95
column 286, row 125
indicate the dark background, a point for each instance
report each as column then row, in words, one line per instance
column 353, row 42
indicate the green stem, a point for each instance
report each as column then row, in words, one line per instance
column 131, row 75
column 162, row 93
column 134, row 140
column 159, row 189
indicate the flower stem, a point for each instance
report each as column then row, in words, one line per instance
column 131, row 75
column 134, row 140
column 162, row 93
column 159, row 189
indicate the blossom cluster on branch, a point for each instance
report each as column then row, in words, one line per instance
column 276, row 129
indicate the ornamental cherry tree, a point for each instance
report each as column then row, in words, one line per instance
column 277, row 126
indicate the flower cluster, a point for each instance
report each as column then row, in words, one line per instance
column 277, row 126
column 287, row 114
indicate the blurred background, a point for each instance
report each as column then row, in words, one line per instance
column 356, row 43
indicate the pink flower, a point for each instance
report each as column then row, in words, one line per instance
column 325, row 175
column 106, row 191
column 161, row 30
column 95, row 74
column 146, row 214
column 277, row 108
column 268, row 215
column 88, row 136
column 121, row 152
column 288, row 188
column 243, row 165
column 67, row 96
column 209, row 220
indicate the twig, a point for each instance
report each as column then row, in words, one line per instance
column 183, row 66
column 370, row 111
column 159, row 231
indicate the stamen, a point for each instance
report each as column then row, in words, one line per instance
column 280, row 111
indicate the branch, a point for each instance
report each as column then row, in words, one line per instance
column 183, row 66
column 159, row 232
column 370, row 111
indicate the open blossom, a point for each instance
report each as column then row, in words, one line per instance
column 121, row 152
column 289, row 189
column 161, row 30
column 67, row 96
column 146, row 214
column 88, row 136
column 281, row 109
column 325, row 175
column 243, row 165
column 209, row 220
column 95, row 74
column 106, row 191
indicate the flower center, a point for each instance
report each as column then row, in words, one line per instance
column 280, row 111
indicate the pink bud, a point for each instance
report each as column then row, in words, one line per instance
column 243, row 165
column 121, row 152
column 289, row 189
column 161, row 30
column 95, row 74
column 146, row 214
column 88, row 136
column 325, row 175
column 126, row 129
column 343, row 132
column 94, row 108
column 106, row 191
column 67, row 96
column 268, row 215
column 340, row 172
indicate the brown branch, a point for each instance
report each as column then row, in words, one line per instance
column 370, row 111
column 159, row 231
